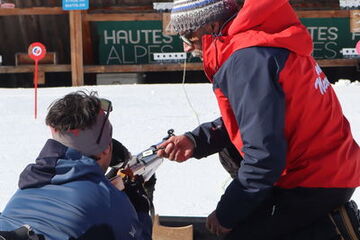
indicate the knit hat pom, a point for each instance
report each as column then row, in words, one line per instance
column 189, row 15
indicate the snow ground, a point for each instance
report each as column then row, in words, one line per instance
column 141, row 117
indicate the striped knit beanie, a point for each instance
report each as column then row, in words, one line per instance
column 189, row 15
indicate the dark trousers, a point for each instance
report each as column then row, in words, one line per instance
column 294, row 214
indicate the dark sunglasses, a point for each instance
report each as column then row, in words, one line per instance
column 106, row 106
column 185, row 38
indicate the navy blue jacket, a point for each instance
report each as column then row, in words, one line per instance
column 258, row 104
column 65, row 194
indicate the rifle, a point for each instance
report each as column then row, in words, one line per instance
column 142, row 165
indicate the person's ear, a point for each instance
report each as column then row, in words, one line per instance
column 104, row 153
column 104, row 158
column 108, row 149
column 215, row 27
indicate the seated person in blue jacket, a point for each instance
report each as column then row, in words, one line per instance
column 64, row 194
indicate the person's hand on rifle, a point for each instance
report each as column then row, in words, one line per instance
column 135, row 191
column 176, row 148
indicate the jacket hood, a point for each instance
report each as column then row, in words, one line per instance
column 265, row 23
column 58, row 164
column 277, row 24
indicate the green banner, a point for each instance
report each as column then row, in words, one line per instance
column 330, row 36
column 134, row 42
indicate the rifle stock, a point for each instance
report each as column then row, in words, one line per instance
column 143, row 164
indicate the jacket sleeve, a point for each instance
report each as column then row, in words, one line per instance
column 209, row 138
column 249, row 79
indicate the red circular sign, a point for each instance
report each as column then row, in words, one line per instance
column 358, row 47
column 37, row 51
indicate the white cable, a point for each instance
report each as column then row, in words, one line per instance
column 186, row 95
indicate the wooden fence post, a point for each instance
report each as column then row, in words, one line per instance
column 354, row 21
column 77, row 65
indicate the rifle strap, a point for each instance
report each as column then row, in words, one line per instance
column 346, row 221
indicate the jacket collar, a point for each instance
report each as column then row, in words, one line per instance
column 276, row 26
column 57, row 164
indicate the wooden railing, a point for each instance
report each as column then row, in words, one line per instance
column 80, row 42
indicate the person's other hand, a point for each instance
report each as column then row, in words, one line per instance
column 176, row 148
column 137, row 195
column 214, row 226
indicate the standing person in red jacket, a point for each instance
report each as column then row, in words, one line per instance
column 280, row 112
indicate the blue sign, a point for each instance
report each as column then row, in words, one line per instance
column 75, row 4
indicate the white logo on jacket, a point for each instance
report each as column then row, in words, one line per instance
column 133, row 231
column 321, row 83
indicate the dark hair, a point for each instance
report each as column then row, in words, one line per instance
column 77, row 110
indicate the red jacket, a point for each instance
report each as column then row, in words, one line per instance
column 320, row 151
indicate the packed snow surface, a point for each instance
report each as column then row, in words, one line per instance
column 141, row 117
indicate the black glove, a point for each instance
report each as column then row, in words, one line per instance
column 137, row 195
